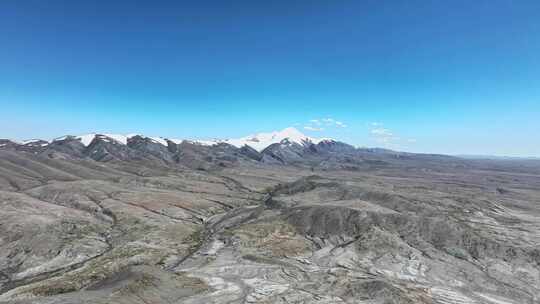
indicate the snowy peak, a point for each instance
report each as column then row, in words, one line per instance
column 291, row 134
column 117, row 138
column 262, row 140
column 35, row 143
column 257, row 141
column 87, row 139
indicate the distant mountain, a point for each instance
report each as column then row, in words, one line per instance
column 286, row 147
column 262, row 141
column 259, row 141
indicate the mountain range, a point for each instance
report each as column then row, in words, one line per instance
column 288, row 146
column 275, row 217
column 258, row 141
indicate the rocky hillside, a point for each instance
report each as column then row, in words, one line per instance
column 145, row 220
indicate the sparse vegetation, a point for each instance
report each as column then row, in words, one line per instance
column 172, row 233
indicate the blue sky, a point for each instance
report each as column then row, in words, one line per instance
column 457, row 77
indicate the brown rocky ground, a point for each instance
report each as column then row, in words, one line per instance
column 83, row 231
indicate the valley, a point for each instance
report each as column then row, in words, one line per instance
column 297, row 222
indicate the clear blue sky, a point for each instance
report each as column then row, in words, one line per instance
column 425, row 76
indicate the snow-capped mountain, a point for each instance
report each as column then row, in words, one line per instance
column 258, row 141
column 87, row 139
column 288, row 146
column 261, row 141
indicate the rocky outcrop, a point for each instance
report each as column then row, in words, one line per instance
column 317, row 223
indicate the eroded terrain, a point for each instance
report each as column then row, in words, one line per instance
column 79, row 230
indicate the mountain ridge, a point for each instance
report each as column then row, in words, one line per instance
column 286, row 147
column 258, row 141
column 109, row 222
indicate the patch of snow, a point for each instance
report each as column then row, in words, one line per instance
column 197, row 142
column 262, row 140
column 30, row 141
column 206, row 142
column 159, row 140
column 86, row 139
column 119, row 138
column 176, row 140
column 60, row 138
column 258, row 141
